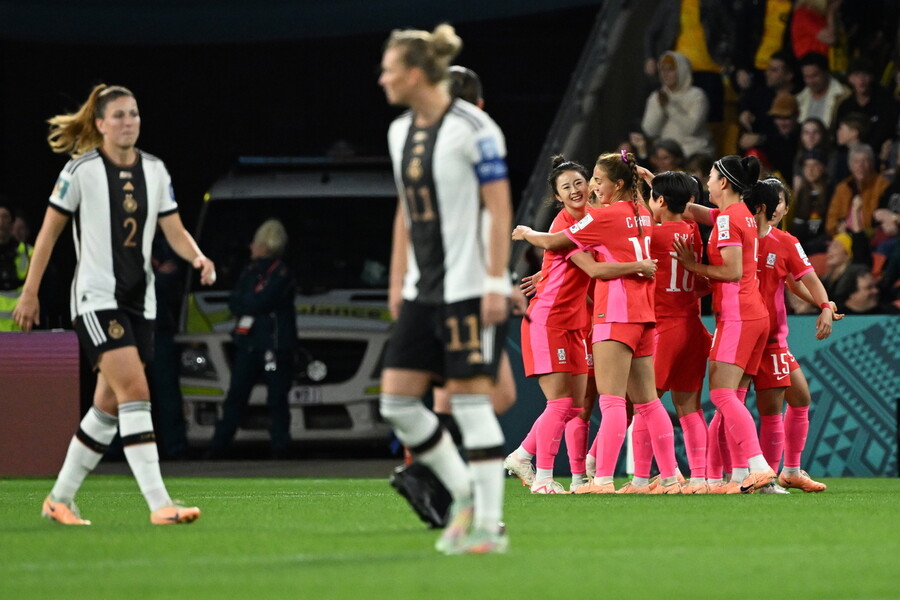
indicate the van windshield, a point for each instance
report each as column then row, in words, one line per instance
column 344, row 248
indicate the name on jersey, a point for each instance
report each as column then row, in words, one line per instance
column 644, row 220
column 802, row 253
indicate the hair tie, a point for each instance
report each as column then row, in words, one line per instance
column 624, row 156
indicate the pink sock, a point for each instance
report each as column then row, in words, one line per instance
column 662, row 436
column 592, row 451
column 529, row 444
column 714, row 460
column 576, row 440
column 738, row 423
column 738, row 460
column 694, row 428
column 611, row 434
column 796, row 428
column 771, row 439
column 641, row 446
column 549, row 431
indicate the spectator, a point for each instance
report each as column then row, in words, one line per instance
column 755, row 103
column 838, row 259
column 678, row 109
column 666, row 155
column 15, row 258
column 21, row 230
column 856, row 198
column 805, row 218
column 870, row 100
column 759, row 38
column 779, row 137
column 850, row 130
column 813, row 136
column 814, row 25
column 265, row 335
column 822, row 93
column 857, row 292
column 702, row 31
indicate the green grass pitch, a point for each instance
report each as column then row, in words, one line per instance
column 355, row 538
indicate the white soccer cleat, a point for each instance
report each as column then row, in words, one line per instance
column 548, row 486
column 523, row 469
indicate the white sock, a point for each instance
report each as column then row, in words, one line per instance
column 578, row 477
column 481, row 432
column 715, row 481
column 603, row 480
column 97, row 430
column 639, row 481
column 139, row 443
column 523, row 454
column 739, row 474
column 412, row 422
column 667, row 481
column 697, row 481
column 542, row 474
column 447, row 465
column 791, row 471
column 758, row 463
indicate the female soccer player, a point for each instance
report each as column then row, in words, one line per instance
column 623, row 335
column 781, row 255
column 553, row 346
column 449, row 161
column 742, row 321
column 682, row 341
column 117, row 194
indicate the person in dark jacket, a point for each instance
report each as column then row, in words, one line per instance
column 265, row 334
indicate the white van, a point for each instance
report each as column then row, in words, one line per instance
column 339, row 216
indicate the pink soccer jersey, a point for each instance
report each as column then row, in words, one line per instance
column 780, row 255
column 560, row 294
column 736, row 300
column 612, row 233
column 675, row 295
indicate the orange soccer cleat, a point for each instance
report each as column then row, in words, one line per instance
column 801, row 482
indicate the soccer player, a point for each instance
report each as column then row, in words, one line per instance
column 553, row 347
column 742, row 321
column 682, row 341
column 780, row 256
column 449, row 161
column 623, row 334
column 117, row 195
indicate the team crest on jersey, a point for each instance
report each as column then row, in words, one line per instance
column 414, row 169
column 724, row 223
column 61, row 187
column 770, row 259
column 129, row 204
column 802, row 254
column 115, row 330
column 581, row 224
column 561, row 355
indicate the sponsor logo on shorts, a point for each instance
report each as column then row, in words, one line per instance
column 115, row 330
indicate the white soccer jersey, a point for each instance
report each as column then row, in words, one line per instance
column 114, row 210
column 439, row 172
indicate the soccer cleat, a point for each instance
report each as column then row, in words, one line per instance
column 731, row 487
column 654, row 481
column 461, row 513
column 801, row 482
column 772, row 488
column 424, row 491
column 754, row 481
column 174, row 514
column 630, row 488
column 590, row 465
column 548, row 486
column 481, row 541
column 579, row 483
column 597, row 488
column 674, row 488
column 523, row 469
column 700, row 488
column 61, row 512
